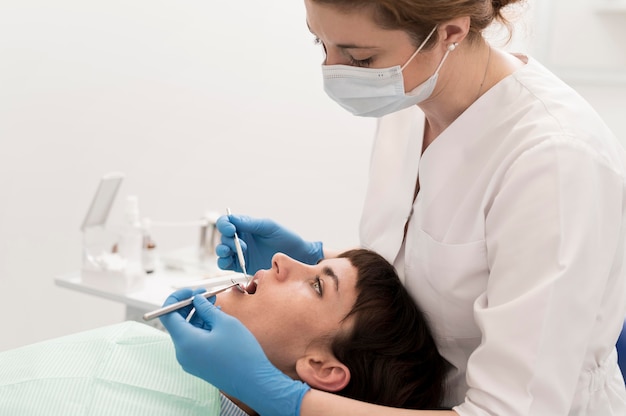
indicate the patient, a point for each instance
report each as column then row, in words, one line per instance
column 345, row 325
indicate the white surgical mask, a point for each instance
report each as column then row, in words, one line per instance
column 372, row 92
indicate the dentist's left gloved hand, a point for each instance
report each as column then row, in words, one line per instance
column 260, row 240
column 219, row 349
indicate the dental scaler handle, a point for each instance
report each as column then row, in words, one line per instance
column 242, row 261
column 178, row 305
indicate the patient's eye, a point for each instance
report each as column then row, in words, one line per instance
column 317, row 286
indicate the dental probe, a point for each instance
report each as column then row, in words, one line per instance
column 178, row 305
column 242, row 261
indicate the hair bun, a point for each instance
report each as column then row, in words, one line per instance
column 499, row 4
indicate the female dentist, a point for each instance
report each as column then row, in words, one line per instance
column 495, row 190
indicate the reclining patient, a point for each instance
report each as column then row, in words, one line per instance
column 345, row 325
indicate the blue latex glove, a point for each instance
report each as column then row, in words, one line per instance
column 219, row 349
column 260, row 240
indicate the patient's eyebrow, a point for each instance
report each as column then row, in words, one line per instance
column 330, row 272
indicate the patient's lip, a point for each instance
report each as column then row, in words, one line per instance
column 251, row 287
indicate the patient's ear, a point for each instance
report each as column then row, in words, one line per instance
column 321, row 370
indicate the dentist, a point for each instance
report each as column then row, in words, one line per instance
column 495, row 190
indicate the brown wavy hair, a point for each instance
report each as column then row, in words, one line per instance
column 419, row 17
column 390, row 351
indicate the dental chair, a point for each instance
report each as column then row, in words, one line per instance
column 621, row 351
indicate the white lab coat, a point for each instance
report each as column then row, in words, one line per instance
column 514, row 245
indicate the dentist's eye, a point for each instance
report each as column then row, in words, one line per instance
column 317, row 41
column 317, row 286
column 360, row 62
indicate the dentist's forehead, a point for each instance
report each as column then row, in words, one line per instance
column 344, row 26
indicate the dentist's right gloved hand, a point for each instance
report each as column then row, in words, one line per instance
column 219, row 349
column 260, row 240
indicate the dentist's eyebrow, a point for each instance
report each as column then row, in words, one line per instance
column 344, row 45
column 329, row 272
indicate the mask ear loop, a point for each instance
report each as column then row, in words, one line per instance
column 451, row 47
column 419, row 48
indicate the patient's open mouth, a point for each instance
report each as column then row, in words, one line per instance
column 251, row 287
column 254, row 282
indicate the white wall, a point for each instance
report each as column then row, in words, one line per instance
column 582, row 41
column 204, row 105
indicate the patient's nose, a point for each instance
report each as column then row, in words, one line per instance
column 285, row 267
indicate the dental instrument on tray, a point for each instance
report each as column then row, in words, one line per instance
column 178, row 305
column 242, row 261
